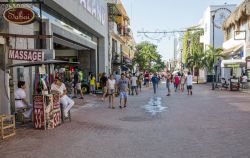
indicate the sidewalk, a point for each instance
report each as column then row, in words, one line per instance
column 88, row 101
column 209, row 85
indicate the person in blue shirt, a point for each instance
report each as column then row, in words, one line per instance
column 154, row 80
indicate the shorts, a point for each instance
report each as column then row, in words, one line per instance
column 189, row 86
column 92, row 88
column 104, row 89
column 111, row 91
column 74, row 85
column 123, row 95
column 168, row 85
column 78, row 86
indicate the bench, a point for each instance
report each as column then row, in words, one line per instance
column 7, row 126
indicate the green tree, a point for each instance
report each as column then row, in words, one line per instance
column 185, row 47
column 146, row 55
column 210, row 57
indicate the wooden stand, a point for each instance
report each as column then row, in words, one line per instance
column 8, row 126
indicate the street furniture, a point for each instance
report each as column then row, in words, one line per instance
column 234, row 84
column 7, row 126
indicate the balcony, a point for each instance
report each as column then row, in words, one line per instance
column 116, row 59
column 113, row 27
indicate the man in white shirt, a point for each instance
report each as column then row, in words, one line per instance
column 189, row 81
column 20, row 100
column 244, row 81
column 134, row 84
column 60, row 88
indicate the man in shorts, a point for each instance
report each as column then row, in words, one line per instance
column 189, row 81
column 77, row 85
column 123, row 87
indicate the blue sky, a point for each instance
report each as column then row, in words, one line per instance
column 166, row 15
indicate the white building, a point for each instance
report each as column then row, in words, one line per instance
column 220, row 12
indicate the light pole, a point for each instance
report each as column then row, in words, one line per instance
column 213, row 17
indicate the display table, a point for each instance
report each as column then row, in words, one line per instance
column 7, row 126
column 46, row 111
column 234, row 84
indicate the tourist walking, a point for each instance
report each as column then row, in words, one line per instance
column 154, row 81
column 111, row 86
column 176, row 82
column 183, row 79
column 77, row 85
column 134, row 84
column 168, row 82
column 92, row 83
column 103, row 82
column 146, row 78
column 139, row 81
column 189, row 81
column 123, row 88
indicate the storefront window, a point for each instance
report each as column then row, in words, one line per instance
column 67, row 25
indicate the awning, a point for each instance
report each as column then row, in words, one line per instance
column 232, row 49
column 224, row 63
column 47, row 62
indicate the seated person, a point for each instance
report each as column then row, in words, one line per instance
column 224, row 83
column 20, row 100
column 60, row 88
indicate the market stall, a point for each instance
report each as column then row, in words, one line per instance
column 46, row 105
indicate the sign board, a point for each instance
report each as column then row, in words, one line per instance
column 96, row 9
column 19, row 15
column 26, row 55
column 56, row 101
column 39, row 121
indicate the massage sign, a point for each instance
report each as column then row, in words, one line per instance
column 19, row 15
column 26, row 55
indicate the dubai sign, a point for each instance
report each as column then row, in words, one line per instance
column 19, row 15
column 26, row 55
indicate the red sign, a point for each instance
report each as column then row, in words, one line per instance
column 56, row 101
column 26, row 55
column 39, row 112
column 19, row 15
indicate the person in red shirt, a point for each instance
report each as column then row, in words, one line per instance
column 146, row 76
column 176, row 82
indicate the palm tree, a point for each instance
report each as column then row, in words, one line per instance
column 211, row 55
column 196, row 61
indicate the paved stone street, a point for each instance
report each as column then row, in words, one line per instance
column 209, row 124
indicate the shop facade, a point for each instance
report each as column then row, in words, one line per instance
column 79, row 33
column 236, row 50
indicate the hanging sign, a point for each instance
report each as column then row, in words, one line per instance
column 26, row 55
column 19, row 15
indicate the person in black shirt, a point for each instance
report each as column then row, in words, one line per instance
column 77, row 84
column 103, row 82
